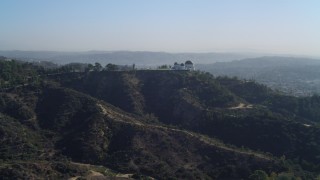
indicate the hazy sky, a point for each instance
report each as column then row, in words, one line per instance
column 273, row 26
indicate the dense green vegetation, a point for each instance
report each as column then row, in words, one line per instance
column 163, row 124
column 13, row 73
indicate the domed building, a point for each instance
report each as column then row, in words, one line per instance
column 189, row 65
column 184, row 66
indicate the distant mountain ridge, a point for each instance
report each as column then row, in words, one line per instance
column 140, row 58
column 269, row 61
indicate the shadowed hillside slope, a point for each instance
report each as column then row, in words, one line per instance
column 241, row 113
column 59, row 123
column 161, row 124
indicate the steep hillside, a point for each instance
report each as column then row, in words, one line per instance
column 64, row 124
column 161, row 124
column 241, row 113
column 157, row 92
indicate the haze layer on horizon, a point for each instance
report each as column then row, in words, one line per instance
column 269, row 26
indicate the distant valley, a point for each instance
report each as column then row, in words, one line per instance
column 291, row 75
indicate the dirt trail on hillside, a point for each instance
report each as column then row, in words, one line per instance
column 242, row 106
column 90, row 175
column 116, row 116
column 112, row 114
column 93, row 174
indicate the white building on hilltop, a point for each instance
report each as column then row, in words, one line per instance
column 178, row 66
column 188, row 65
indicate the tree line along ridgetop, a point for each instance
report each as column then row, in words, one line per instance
column 187, row 66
